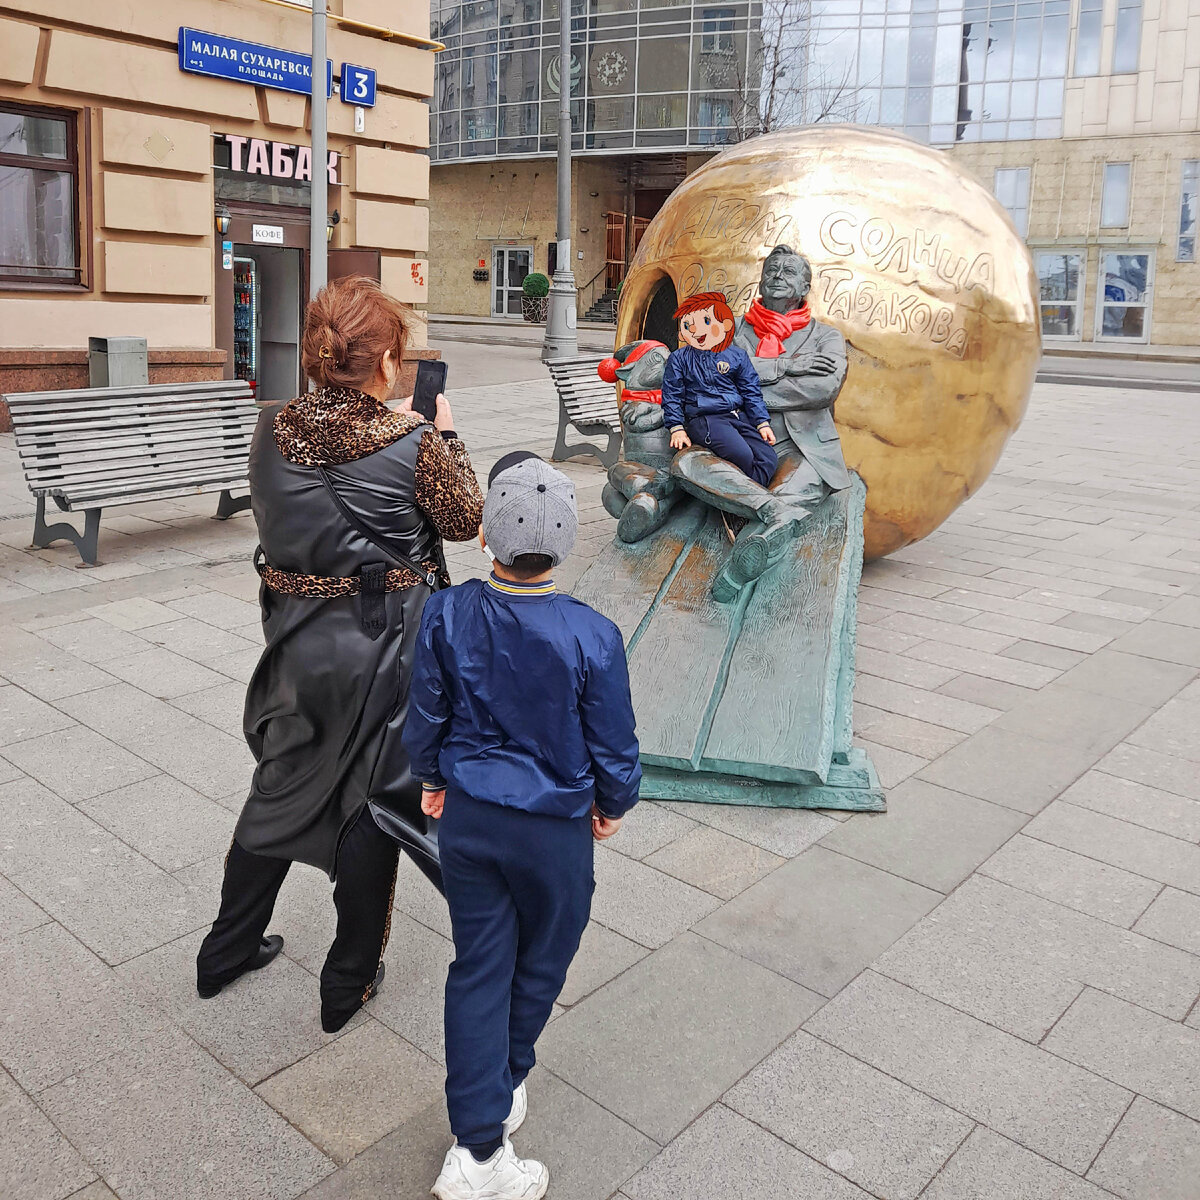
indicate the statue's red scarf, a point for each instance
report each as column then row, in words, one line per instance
column 774, row 328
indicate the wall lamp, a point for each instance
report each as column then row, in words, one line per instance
column 335, row 218
column 223, row 219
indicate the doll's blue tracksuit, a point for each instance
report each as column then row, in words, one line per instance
column 716, row 397
column 520, row 707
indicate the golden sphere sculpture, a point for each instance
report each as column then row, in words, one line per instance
column 917, row 265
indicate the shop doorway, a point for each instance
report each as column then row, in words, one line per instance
column 510, row 265
column 266, row 319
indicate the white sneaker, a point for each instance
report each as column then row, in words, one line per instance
column 504, row 1176
column 518, row 1112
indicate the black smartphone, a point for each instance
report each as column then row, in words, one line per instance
column 431, row 379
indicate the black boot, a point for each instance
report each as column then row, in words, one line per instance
column 757, row 547
column 332, row 1021
column 266, row 953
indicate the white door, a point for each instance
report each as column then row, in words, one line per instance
column 510, row 265
column 1123, row 295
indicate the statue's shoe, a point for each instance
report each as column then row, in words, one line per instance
column 642, row 516
column 614, row 503
column 756, row 549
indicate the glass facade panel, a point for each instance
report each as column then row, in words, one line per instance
column 941, row 70
column 1114, row 197
column 1011, row 186
column 1124, row 292
column 1087, row 37
column 1189, row 200
column 1128, row 40
column 1058, row 279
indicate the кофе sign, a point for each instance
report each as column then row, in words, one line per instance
column 277, row 160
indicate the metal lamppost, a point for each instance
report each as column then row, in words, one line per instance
column 560, row 313
column 318, row 265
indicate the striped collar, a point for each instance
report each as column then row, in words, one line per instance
column 510, row 588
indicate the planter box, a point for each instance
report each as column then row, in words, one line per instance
column 533, row 309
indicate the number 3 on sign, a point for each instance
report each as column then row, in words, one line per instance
column 358, row 85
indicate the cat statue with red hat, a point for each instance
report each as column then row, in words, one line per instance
column 640, row 491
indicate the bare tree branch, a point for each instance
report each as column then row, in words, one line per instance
column 784, row 81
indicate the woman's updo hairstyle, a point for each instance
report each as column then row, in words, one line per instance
column 348, row 327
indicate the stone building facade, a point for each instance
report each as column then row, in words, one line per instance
column 1110, row 208
column 118, row 170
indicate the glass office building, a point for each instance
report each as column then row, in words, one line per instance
column 1079, row 115
column 656, row 77
column 664, row 75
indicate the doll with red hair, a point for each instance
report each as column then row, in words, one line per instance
column 711, row 395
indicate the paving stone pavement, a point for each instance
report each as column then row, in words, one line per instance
column 992, row 991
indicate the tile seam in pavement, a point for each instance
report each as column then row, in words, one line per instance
column 1125, row 1087
column 771, row 1133
column 1060, row 799
column 1156, row 786
column 1111, row 1134
column 1005, row 1032
column 976, row 1123
column 349, row 1027
column 1190, row 1011
column 946, row 1162
column 1153, row 901
column 979, row 870
column 1066, row 1009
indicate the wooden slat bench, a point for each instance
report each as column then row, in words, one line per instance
column 588, row 403
column 94, row 447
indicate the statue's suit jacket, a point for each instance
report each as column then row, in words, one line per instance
column 802, row 404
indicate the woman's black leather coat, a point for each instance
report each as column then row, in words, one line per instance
column 327, row 702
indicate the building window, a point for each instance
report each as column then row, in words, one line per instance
column 39, row 195
column 1058, row 280
column 1087, row 37
column 1124, row 296
column 1128, row 40
column 1011, row 186
column 716, row 31
column 1114, row 197
column 1189, row 200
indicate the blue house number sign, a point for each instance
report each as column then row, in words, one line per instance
column 358, row 85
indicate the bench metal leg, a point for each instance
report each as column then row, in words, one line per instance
column 86, row 542
column 562, row 450
column 227, row 506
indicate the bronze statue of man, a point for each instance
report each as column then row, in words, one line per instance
column 801, row 364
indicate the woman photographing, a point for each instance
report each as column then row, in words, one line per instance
column 352, row 500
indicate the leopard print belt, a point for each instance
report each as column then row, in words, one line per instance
column 290, row 584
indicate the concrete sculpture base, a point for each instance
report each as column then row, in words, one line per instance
column 748, row 702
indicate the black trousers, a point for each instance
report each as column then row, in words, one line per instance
column 366, row 881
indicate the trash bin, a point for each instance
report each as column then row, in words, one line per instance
column 117, row 362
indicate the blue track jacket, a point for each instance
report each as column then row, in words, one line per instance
column 520, row 696
column 695, row 386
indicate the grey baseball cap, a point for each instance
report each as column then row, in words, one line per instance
column 530, row 509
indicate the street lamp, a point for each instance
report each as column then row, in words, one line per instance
column 561, row 341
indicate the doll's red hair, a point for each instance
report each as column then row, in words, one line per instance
column 721, row 310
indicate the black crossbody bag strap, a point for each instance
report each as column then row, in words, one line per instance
column 377, row 539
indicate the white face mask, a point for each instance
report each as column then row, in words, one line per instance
column 489, row 552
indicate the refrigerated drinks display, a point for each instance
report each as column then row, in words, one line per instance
column 245, row 320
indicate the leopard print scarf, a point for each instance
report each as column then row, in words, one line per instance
column 338, row 425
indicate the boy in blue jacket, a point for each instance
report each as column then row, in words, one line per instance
column 711, row 393
column 521, row 729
